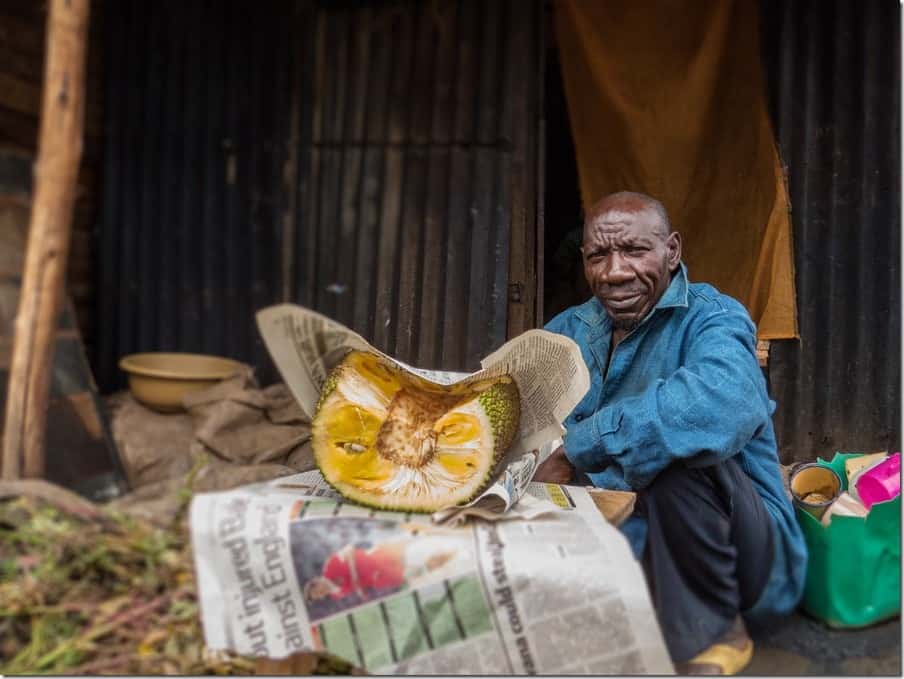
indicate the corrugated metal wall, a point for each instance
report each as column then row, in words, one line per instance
column 833, row 73
column 373, row 160
column 416, row 166
column 197, row 122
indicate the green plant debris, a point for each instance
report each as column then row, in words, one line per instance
column 103, row 595
column 109, row 596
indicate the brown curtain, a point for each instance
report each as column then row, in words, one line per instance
column 666, row 97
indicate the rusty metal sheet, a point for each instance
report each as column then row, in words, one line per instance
column 833, row 76
column 376, row 161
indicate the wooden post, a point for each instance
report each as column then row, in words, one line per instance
column 55, row 174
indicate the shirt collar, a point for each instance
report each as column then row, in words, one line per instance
column 593, row 313
column 676, row 294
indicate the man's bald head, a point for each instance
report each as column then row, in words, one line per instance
column 631, row 201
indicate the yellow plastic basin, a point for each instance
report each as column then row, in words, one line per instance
column 161, row 380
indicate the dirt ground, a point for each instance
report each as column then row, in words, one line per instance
column 800, row 645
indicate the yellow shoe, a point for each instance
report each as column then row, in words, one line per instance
column 729, row 655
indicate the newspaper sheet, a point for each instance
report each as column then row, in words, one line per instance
column 285, row 566
column 548, row 368
column 505, row 500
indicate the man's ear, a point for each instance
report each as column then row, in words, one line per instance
column 673, row 250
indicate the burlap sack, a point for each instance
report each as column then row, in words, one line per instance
column 230, row 435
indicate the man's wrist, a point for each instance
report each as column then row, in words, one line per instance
column 584, row 445
column 567, row 454
column 578, row 443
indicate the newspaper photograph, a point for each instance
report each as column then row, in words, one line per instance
column 286, row 565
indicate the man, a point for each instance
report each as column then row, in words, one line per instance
column 678, row 411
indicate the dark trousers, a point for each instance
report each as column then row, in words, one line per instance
column 708, row 553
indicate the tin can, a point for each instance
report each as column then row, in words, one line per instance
column 814, row 487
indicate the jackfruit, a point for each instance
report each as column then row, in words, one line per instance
column 391, row 440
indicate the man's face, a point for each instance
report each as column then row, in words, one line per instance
column 628, row 260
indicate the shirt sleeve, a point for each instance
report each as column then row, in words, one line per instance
column 704, row 412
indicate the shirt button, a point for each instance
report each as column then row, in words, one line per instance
column 578, row 417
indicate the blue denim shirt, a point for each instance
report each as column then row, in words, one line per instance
column 684, row 385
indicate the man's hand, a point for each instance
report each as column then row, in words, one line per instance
column 556, row 469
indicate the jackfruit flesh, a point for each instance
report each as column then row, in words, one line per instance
column 391, row 440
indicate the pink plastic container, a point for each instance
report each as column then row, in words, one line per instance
column 882, row 482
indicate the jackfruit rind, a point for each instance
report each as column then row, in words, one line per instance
column 503, row 404
column 328, row 386
column 391, row 440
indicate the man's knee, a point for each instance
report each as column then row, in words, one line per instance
column 678, row 489
column 673, row 477
column 677, row 478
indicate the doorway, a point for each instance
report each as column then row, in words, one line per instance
column 563, row 281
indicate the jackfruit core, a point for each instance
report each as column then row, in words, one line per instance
column 390, row 440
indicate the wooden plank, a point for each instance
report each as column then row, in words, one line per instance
column 109, row 279
column 513, row 51
column 25, row 36
column 411, row 264
column 211, row 325
column 352, row 173
column 21, row 71
column 186, row 329
column 372, row 188
column 762, row 353
column 13, row 218
column 60, row 146
column 314, row 180
column 484, row 196
column 18, row 131
column 81, row 454
column 409, row 254
column 461, row 183
column 19, row 94
column 148, row 208
column 291, row 167
column 490, row 95
column 432, row 303
column 522, row 98
column 260, row 242
column 170, row 197
column 237, row 73
column 481, row 257
column 335, row 97
column 393, row 178
column 14, row 62
column 15, row 177
column 614, row 505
